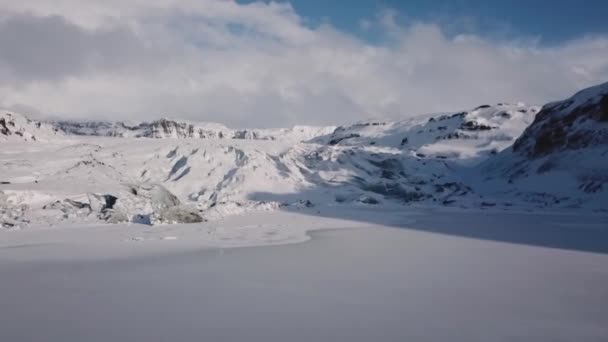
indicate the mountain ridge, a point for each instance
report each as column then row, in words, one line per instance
column 480, row 158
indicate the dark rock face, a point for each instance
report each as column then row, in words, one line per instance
column 573, row 124
column 98, row 128
column 156, row 129
column 336, row 141
column 474, row 126
column 162, row 128
column 110, row 201
column 458, row 115
column 3, row 128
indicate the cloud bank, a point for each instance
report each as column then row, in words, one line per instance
column 262, row 65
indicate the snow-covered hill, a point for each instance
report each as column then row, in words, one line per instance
column 466, row 136
column 561, row 158
column 181, row 129
column 176, row 171
column 16, row 127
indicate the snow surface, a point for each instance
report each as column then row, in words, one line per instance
column 414, row 275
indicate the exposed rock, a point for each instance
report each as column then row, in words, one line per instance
column 77, row 204
column 100, row 203
column 177, row 214
column 474, row 126
column 18, row 127
column 3, row 128
column 568, row 125
column 337, row 140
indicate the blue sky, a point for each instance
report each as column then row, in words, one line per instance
column 551, row 22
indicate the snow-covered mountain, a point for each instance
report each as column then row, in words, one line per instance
column 177, row 171
column 16, row 127
column 162, row 128
column 576, row 123
column 466, row 136
column 562, row 157
column 182, row 129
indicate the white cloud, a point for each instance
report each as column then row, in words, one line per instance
column 260, row 65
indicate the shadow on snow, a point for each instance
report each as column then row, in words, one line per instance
column 586, row 232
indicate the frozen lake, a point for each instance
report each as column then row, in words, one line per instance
column 361, row 284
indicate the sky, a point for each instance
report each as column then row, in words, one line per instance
column 276, row 64
column 549, row 21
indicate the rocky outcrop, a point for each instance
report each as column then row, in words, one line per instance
column 166, row 207
column 159, row 129
column 561, row 158
column 148, row 203
column 17, row 127
column 576, row 123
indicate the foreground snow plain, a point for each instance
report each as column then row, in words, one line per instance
column 418, row 275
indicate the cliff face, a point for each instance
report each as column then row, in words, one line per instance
column 576, row 123
column 179, row 129
column 162, row 128
column 165, row 128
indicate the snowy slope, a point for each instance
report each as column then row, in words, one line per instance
column 467, row 136
column 562, row 157
column 17, row 127
column 573, row 124
column 175, row 171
